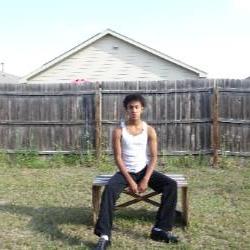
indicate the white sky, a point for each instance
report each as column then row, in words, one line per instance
column 212, row 35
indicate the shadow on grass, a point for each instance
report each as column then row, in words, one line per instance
column 145, row 215
column 48, row 219
column 140, row 216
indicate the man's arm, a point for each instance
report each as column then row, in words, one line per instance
column 116, row 141
column 152, row 143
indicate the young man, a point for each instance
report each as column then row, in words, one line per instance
column 132, row 141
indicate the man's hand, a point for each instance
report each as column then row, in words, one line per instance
column 142, row 186
column 133, row 188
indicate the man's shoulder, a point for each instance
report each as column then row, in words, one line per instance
column 117, row 130
column 150, row 128
column 151, row 131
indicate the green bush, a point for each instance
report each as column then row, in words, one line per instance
column 29, row 159
column 185, row 161
column 4, row 159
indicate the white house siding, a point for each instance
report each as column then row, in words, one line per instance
column 111, row 59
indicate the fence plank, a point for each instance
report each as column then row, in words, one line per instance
column 215, row 133
column 98, row 133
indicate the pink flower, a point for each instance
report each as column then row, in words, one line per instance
column 79, row 81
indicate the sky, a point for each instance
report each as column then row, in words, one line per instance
column 212, row 35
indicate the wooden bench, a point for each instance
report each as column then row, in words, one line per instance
column 102, row 180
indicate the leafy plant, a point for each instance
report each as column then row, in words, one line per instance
column 4, row 159
column 28, row 158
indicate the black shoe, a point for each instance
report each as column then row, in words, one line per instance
column 167, row 237
column 102, row 244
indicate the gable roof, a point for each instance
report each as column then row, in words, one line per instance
column 119, row 36
column 8, row 78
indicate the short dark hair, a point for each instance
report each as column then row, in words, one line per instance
column 134, row 97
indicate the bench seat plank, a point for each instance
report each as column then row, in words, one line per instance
column 102, row 180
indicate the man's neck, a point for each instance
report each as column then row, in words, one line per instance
column 135, row 122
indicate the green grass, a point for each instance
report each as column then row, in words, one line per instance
column 49, row 207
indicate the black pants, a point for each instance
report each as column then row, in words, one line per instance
column 158, row 182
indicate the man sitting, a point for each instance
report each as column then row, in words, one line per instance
column 137, row 171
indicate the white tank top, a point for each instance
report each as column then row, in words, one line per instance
column 134, row 148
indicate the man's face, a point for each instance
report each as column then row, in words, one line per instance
column 134, row 110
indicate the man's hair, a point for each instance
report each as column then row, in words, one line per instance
column 134, row 97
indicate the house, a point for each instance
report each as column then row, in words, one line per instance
column 8, row 78
column 110, row 56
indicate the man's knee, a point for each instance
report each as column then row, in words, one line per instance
column 110, row 188
column 172, row 185
column 114, row 189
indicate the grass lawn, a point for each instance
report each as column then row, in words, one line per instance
column 50, row 208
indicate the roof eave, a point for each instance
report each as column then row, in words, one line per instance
column 63, row 56
column 158, row 53
column 119, row 36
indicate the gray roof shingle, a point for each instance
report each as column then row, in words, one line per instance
column 8, row 78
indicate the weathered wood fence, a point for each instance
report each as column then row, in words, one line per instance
column 190, row 117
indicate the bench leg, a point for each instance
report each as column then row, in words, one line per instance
column 184, row 197
column 96, row 197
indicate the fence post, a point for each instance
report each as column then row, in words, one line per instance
column 98, row 122
column 215, row 125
